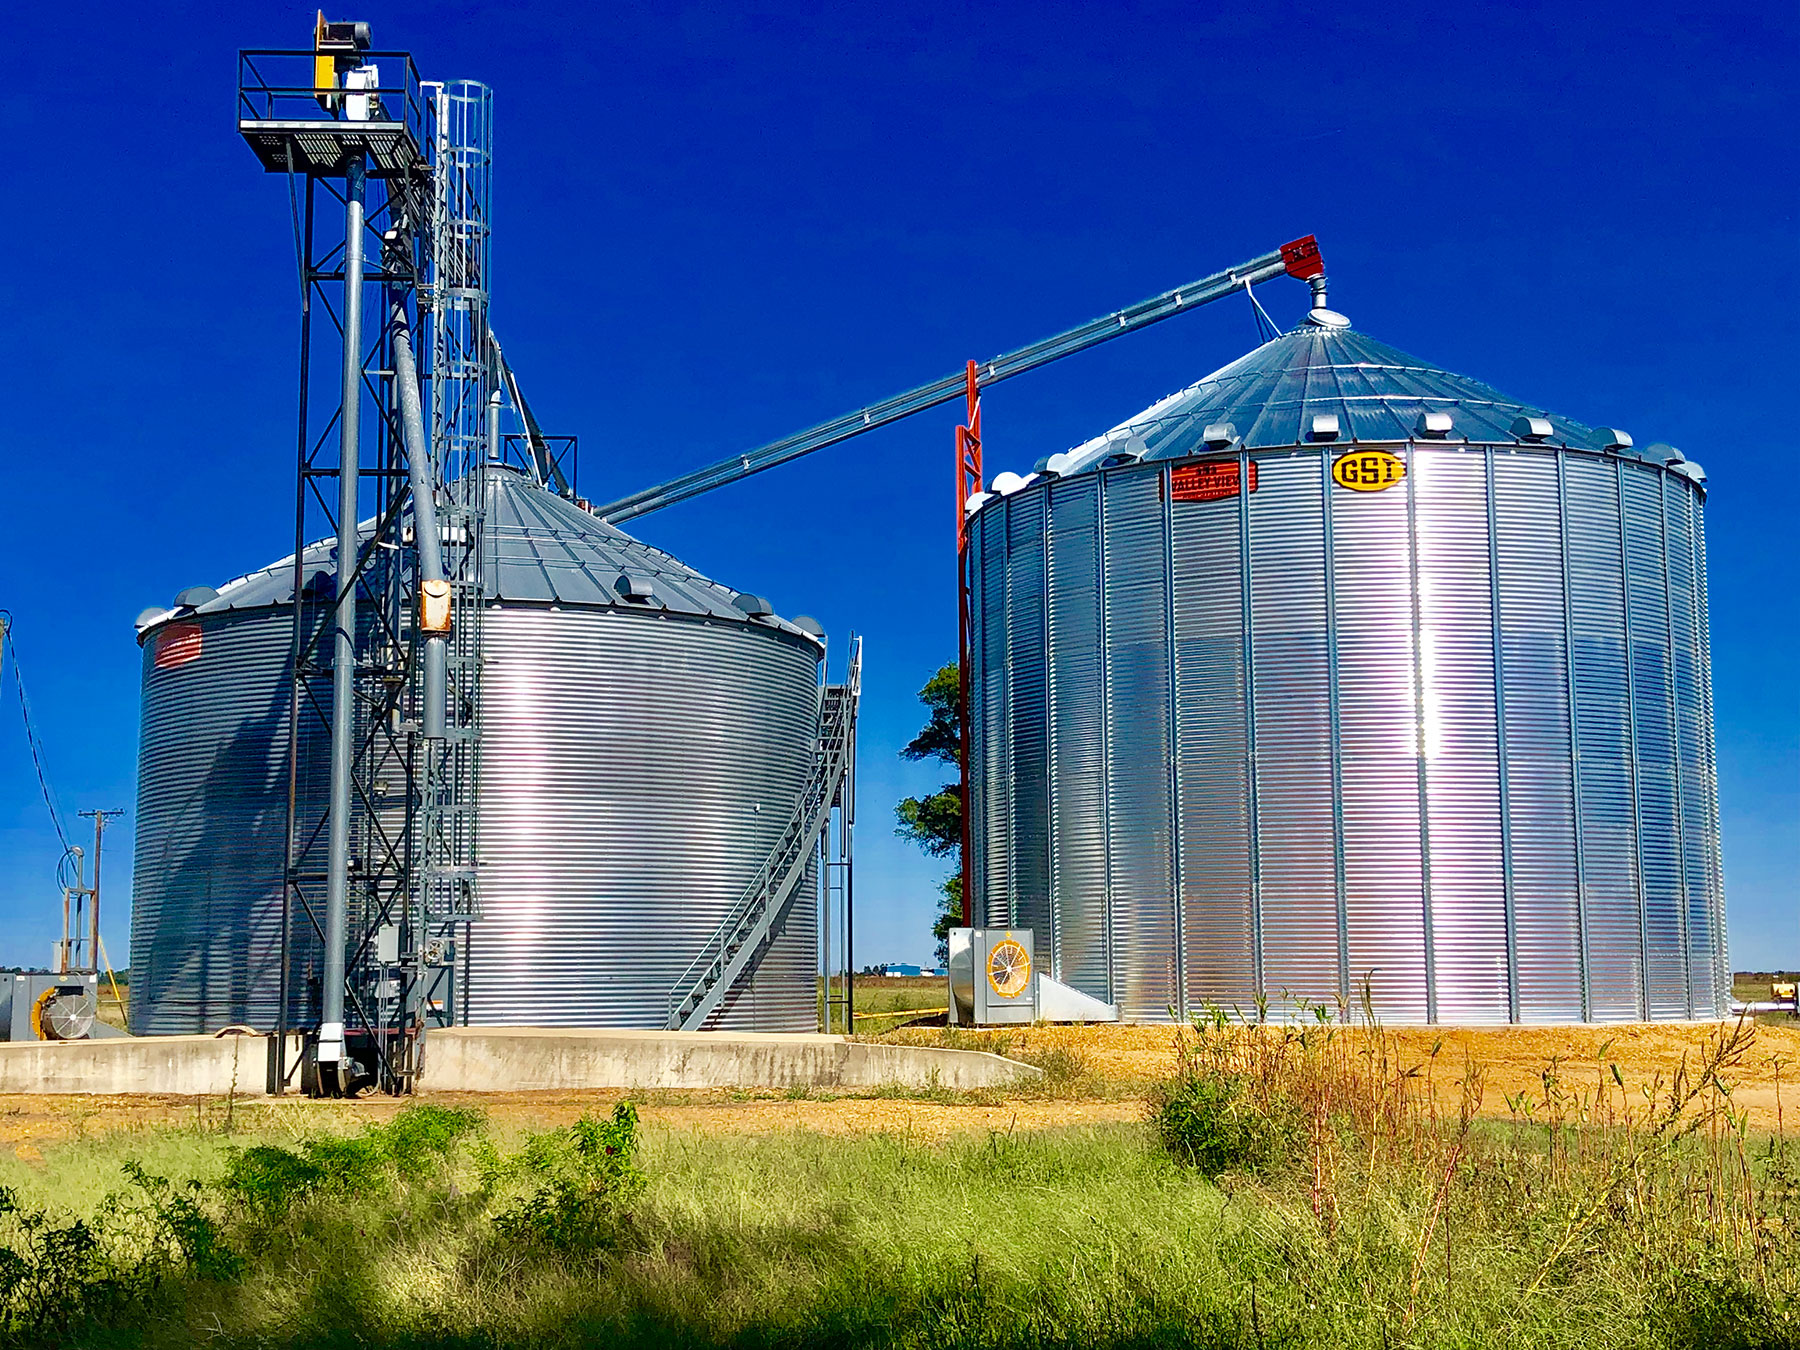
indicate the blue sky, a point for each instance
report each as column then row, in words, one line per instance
column 716, row 225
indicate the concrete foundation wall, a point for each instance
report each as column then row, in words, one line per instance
column 527, row 1058
column 188, row 1066
column 516, row 1059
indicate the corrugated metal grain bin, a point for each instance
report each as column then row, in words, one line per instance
column 639, row 760
column 1338, row 668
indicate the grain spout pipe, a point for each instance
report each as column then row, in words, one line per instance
column 421, row 472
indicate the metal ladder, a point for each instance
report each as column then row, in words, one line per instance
column 738, row 943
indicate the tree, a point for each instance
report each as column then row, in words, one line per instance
column 934, row 823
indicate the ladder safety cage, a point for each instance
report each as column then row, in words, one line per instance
column 741, row 939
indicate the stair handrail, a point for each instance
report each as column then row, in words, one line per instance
column 804, row 824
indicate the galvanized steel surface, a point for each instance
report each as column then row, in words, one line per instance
column 638, row 760
column 211, row 827
column 1452, row 739
column 635, row 772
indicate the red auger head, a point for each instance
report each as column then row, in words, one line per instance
column 1303, row 259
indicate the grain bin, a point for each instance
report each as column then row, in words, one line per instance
column 645, row 737
column 1339, row 670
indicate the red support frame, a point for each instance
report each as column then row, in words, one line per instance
column 968, row 483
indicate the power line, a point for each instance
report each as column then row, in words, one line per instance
column 31, row 737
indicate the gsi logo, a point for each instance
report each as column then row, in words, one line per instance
column 1368, row 470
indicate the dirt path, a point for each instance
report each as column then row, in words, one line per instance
column 1765, row 1082
column 30, row 1123
column 1512, row 1060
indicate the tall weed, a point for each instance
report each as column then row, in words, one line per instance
column 583, row 1178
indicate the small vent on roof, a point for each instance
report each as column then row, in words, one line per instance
column 636, row 587
column 1219, row 435
column 1324, row 427
column 155, row 614
column 195, row 596
column 1687, row 468
column 810, row 626
column 1533, row 428
column 1126, row 448
column 1005, row 484
column 1042, row 468
column 756, row 606
column 1662, row 453
column 976, row 501
column 1434, row 425
column 1056, row 465
column 1614, row 439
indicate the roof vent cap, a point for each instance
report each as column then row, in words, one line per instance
column 155, row 614
column 1533, row 428
column 1434, row 425
column 756, row 606
column 976, row 502
column 1326, row 318
column 1663, row 453
column 811, row 627
column 1688, row 469
column 1042, row 468
column 1057, row 465
column 1324, row 427
column 195, row 596
column 1219, row 435
column 636, row 587
column 1005, row 484
column 1127, row 447
column 1611, row 438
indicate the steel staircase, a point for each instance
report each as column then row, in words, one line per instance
column 739, row 942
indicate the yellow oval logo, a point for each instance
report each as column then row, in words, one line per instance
column 1367, row 470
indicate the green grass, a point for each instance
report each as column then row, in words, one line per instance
column 1092, row 1238
column 1294, row 1187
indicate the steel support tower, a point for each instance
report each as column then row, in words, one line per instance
column 390, row 223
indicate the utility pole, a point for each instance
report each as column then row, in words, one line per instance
column 99, row 818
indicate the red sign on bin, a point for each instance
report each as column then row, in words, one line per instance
column 1209, row 481
column 177, row 644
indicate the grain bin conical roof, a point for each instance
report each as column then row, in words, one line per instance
column 539, row 549
column 1271, row 395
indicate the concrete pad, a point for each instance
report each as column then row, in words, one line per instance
column 512, row 1059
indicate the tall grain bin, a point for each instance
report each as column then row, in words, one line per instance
column 645, row 737
column 1336, row 668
